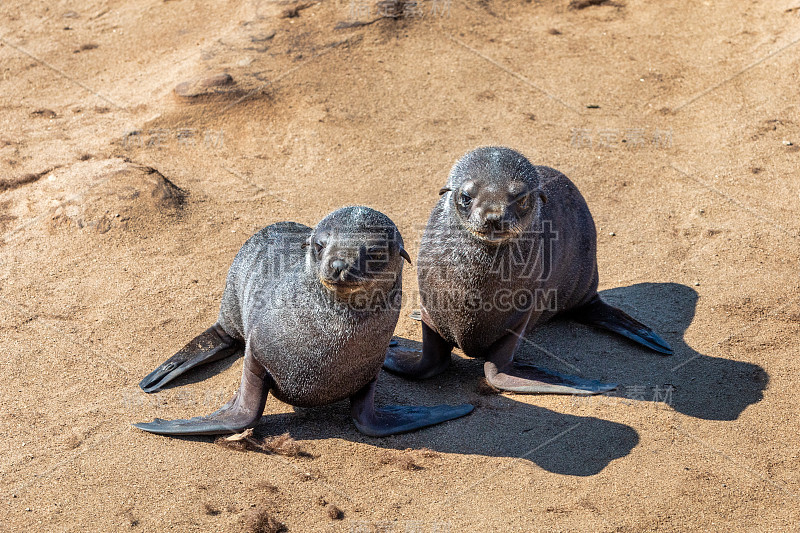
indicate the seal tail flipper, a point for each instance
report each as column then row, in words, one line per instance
column 211, row 345
column 242, row 411
column 599, row 314
column 530, row 379
column 394, row 419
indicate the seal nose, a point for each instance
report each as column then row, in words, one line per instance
column 494, row 220
column 338, row 266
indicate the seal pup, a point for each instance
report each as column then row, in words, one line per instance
column 508, row 246
column 315, row 310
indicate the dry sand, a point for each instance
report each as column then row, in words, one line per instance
column 122, row 205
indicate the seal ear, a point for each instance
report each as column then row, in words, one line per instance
column 441, row 192
column 543, row 197
column 405, row 255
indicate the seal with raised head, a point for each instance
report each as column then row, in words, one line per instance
column 314, row 310
column 508, row 246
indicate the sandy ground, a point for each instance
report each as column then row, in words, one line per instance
column 123, row 203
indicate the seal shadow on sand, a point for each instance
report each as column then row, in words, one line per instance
column 702, row 386
column 500, row 426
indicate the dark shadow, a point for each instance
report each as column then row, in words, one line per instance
column 500, row 426
column 698, row 385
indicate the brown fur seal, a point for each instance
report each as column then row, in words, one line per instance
column 314, row 324
column 508, row 246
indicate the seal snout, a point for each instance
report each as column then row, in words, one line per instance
column 492, row 212
column 494, row 224
column 342, row 275
column 337, row 267
column 356, row 249
column 494, row 221
column 337, row 272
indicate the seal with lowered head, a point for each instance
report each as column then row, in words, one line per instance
column 508, row 246
column 315, row 310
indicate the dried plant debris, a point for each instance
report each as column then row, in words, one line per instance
column 281, row 445
column 241, row 442
column 402, row 460
column 259, row 520
column 85, row 47
column 44, row 113
column 284, row 445
column 215, row 84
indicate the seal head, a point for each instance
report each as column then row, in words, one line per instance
column 356, row 251
column 494, row 193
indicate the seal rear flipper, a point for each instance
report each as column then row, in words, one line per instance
column 529, row 379
column 394, row 419
column 211, row 345
column 599, row 314
column 415, row 364
column 242, row 411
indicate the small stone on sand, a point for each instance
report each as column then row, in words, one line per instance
column 204, row 86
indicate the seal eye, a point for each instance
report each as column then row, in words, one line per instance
column 466, row 199
column 318, row 246
column 524, row 202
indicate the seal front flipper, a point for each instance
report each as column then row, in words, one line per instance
column 394, row 419
column 415, row 364
column 211, row 345
column 503, row 373
column 242, row 411
column 530, row 379
column 599, row 314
